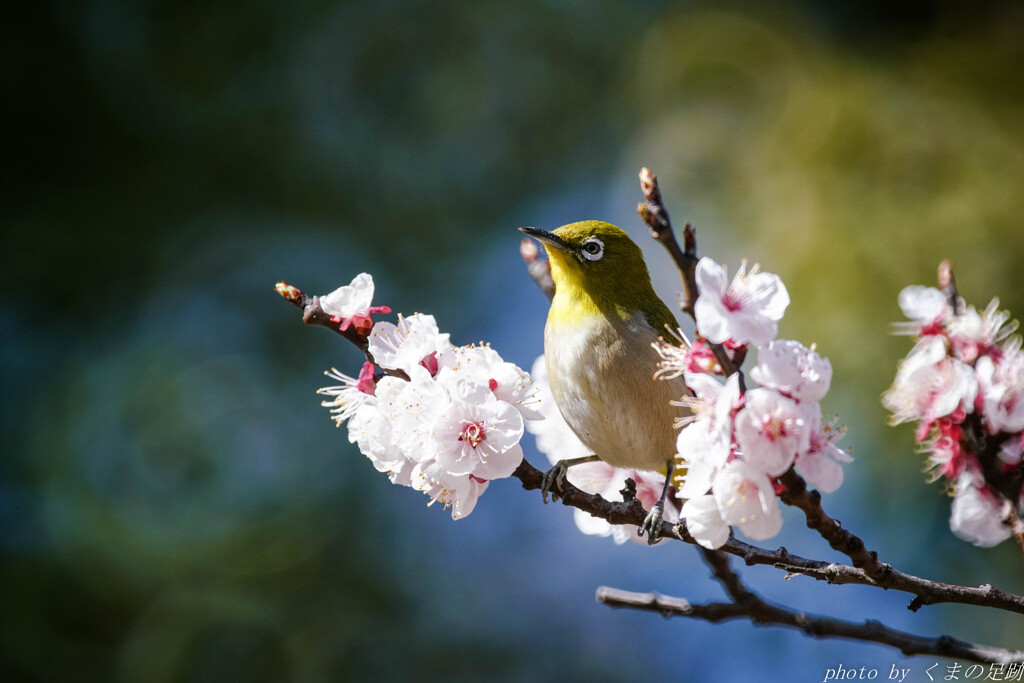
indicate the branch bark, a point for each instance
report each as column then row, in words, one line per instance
column 758, row 611
column 925, row 591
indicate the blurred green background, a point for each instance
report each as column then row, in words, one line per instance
column 175, row 504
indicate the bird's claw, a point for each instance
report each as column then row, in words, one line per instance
column 652, row 524
column 553, row 478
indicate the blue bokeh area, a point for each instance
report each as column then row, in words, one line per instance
column 175, row 504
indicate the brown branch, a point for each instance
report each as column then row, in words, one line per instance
column 653, row 212
column 846, row 542
column 926, row 592
column 755, row 609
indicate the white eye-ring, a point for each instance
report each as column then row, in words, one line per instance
column 593, row 249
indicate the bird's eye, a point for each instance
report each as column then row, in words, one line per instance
column 593, row 249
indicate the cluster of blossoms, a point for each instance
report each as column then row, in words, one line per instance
column 737, row 442
column 445, row 420
column 556, row 440
column 963, row 383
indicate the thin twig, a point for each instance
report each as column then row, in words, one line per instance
column 653, row 212
column 760, row 612
column 313, row 314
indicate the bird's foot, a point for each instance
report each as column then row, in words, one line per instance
column 652, row 524
column 552, row 479
column 555, row 477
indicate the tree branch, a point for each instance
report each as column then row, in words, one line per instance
column 758, row 611
column 653, row 212
column 926, row 592
column 831, row 530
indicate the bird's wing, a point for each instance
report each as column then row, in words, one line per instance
column 659, row 316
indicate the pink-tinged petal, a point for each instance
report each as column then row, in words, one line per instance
column 704, row 522
column 500, row 465
column 978, row 515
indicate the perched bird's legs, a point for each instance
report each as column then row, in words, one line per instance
column 652, row 523
column 556, row 475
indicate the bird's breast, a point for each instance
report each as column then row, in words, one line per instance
column 601, row 375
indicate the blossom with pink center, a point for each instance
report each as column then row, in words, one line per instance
column 979, row 514
column 746, row 310
column 771, row 431
column 1001, row 383
column 676, row 359
column 926, row 307
column 413, row 343
column 704, row 521
column 930, row 385
column 484, row 366
column 350, row 394
column 350, row 304
column 792, row 369
column 819, row 464
column 746, row 499
column 459, row 492
column 478, row 435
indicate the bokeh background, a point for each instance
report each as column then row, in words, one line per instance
column 175, row 504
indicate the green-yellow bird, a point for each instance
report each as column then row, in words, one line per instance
column 598, row 340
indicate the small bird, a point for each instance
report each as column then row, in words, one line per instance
column 598, row 350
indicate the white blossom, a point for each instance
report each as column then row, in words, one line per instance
column 745, row 310
column 477, row 434
column 412, row 407
column 930, row 385
column 746, row 499
column 414, row 342
column 819, row 464
column 978, row 513
column 352, row 393
column 792, row 369
column 973, row 334
column 771, row 430
column 1002, row 387
column 350, row 304
column 704, row 521
column 458, row 492
column 924, row 306
column 371, row 430
column 482, row 365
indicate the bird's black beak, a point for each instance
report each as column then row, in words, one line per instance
column 546, row 237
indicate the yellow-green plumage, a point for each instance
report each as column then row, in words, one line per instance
column 597, row 343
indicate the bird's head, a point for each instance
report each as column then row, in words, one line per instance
column 597, row 260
